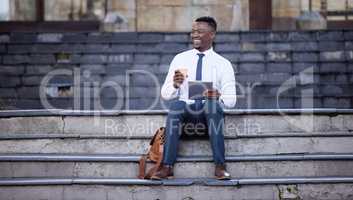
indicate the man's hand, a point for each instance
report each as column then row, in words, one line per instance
column 178, row 78
column 212, row 94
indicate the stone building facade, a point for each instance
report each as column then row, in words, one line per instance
column 172, row 16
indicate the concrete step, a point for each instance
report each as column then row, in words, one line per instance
column 126, row 166
column 270, row 145
column 111, row 188
column 130, row 124
column 201, row 136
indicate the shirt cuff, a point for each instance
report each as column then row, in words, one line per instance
column 174, row 92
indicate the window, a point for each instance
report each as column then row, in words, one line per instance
column 53, row 10
column 338, row 10
column 18, row 10
column 51, row 15
column 74, row 10
column 4, row 10
column 339, row 13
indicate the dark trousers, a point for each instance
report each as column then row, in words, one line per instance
column 209, row 114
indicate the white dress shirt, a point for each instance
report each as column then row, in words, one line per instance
column 215, row 69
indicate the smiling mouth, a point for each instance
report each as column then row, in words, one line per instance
column 197, row 42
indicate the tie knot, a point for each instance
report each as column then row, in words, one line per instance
column 201, row 55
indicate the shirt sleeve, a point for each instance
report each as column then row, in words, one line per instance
column 228, row 84
column 168, row 91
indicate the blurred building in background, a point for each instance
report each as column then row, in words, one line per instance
column 177, row 15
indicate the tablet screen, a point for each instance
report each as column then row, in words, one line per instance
column 197, row 88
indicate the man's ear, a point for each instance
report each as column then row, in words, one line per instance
column 213, row 35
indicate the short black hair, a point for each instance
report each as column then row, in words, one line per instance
column 209, row 20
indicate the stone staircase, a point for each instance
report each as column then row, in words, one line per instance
column 124, row 70
column 272, row 154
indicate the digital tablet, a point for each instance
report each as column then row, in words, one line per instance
column 197, row 88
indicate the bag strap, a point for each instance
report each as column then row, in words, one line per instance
column 142, row 167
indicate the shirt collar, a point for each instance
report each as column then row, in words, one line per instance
column 207, row 52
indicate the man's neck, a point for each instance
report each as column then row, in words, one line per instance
column 203, row 50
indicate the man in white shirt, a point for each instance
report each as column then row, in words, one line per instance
column 198, row 64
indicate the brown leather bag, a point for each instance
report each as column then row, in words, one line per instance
column 154, row 154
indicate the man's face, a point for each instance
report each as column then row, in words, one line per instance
column 202, row 36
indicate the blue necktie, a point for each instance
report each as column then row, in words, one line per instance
column 198, row 102
column 199, row 67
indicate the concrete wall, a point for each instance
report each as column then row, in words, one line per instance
column 163, row 15
column 284, row 13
